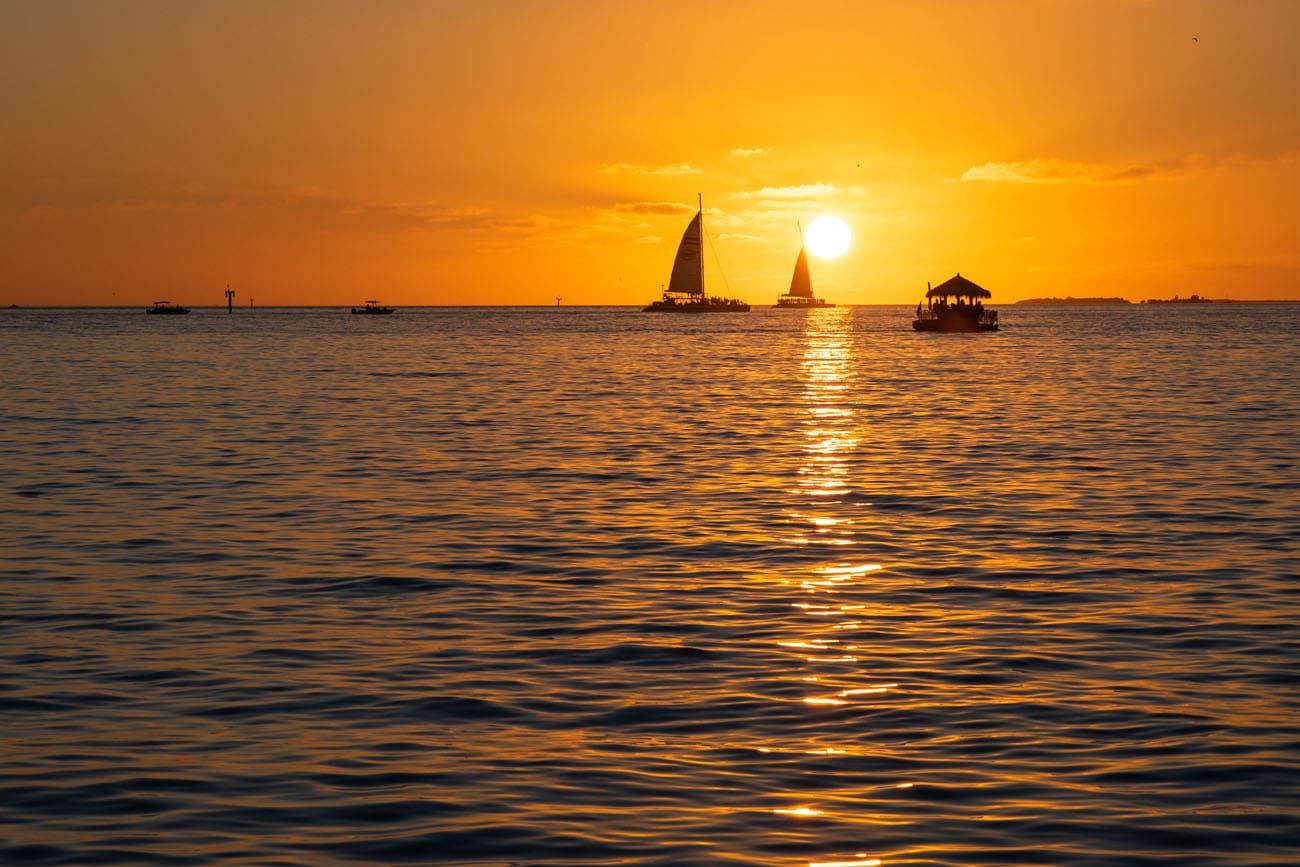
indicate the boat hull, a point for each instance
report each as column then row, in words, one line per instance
column 382, row 311
column 953, row 325
column 695, row 307
column 168, row 311
column 803, row 304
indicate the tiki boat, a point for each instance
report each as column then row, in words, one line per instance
column 965, row 312
column 685, row 292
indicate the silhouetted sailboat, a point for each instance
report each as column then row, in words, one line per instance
column 685, row 292
column 801, row 292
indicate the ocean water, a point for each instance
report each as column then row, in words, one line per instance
column 586, row 586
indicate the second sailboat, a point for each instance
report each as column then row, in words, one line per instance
column 800, row 296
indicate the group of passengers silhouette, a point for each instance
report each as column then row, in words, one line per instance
column 942, row 306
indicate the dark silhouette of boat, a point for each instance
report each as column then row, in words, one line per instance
column 685, row 292
column 800, row 296
column 965, row 313
column 374, row 308
column 166, row 308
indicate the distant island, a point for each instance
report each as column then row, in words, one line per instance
column 1070, row 299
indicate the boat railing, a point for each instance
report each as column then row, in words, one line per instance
column 988, row 317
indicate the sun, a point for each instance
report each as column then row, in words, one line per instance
column 828, row 237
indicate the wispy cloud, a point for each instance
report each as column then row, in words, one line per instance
column 637, row 169
column 801, row 191
column 1056, row 171
column 417, row 215
column 744, row 153
column 311, row 205
column 648, row 239
column 737, row 236
column 1050, row 170
column 653, row 208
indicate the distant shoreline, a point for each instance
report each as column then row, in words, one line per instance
column 1070, row 299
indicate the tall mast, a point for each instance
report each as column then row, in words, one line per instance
column 701, row 200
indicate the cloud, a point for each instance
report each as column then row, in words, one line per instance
column 737, row 236
column 743, row 153
column 1056, row 171
column 648, row 239
column 636, row 169
column 802, row 191
column 425, row 215
column 1050, row 170
column 653, row 208
column 310, row 205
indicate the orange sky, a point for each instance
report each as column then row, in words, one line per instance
column 504, row 153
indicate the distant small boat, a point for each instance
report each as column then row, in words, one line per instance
column 800, row 295
column 685, row 292
column 373, row 307
column 166, row 308
column 965, row 314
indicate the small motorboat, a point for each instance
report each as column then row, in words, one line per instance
column 166, row 308
column 374, row 308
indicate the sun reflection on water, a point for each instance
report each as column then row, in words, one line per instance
column 826, row 517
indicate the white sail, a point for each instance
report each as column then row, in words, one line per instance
column 801, row 282
column 688, row 267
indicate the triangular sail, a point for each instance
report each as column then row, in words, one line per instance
column 688, row 273
column 801, row 282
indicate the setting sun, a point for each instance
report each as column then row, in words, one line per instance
column 828, row 237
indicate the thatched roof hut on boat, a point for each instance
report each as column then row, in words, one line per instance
column 958, row 287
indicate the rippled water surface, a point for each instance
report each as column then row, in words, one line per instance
column 586, row 586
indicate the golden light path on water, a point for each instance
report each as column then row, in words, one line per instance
column 830, row 436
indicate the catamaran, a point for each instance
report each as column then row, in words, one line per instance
column 801, row 293
column 685, row 292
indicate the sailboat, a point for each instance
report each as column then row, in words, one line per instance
column 801, row 293
column 685, row 292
